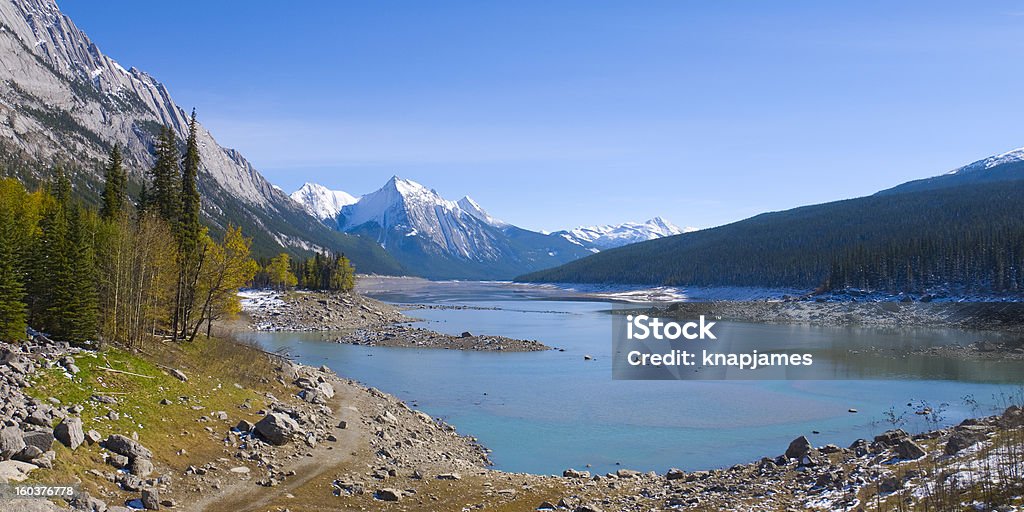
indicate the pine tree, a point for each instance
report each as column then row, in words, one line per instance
column 190, row 205
column 12, row 291
column 49, row 274
column 115, row 194
column 82, row 303
column 144, row 200
column 191, row 252
column 166, row 195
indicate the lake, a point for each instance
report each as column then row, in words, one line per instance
column 542, row 412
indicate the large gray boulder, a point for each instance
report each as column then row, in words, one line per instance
column 11, row 442
column 128, row 447
column 277, row 428
column 70, row 432
column 799, row 448
column 42, row 439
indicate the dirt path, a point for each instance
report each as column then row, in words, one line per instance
column 247, row 496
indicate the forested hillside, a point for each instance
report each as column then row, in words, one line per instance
column 968, row 237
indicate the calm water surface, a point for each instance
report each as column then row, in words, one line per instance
column 547, row 411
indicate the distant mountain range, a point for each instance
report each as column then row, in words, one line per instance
column 958, row 233
column 600, row 238
column 439, row 238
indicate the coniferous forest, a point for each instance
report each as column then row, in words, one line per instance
column 966, row 239
column 129, row 270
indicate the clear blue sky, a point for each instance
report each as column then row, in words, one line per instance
column 556, row 114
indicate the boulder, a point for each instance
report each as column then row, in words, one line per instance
column 15, row 471
column 676, row 474
column 799, row 448
column 1012, row 417
column 388, row 494
column 69, row 432
column 277, row 428
column 43, row 439
column 93, row 437
column 572, row 473
column 27, row 454
column 151, row 499
column 326, row 389
column 11, row 442
column 128, row 447
column 892, row 438
column 909, row 450
column 140, row 467
column 961, row 440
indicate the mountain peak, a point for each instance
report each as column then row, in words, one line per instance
column 320, row 201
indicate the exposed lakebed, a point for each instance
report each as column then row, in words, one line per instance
column 542, row 412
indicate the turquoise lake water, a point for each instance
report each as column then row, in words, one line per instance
column 542, row 412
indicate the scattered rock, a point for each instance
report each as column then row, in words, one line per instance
column 277, row 428
column 69, row 432
column 909, row 450
column 388, row 494
column 151, row 499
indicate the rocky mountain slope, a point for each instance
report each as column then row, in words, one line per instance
column 63, row 99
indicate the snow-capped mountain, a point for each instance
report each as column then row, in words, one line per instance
column 322, row 202
column 1008, row 166
column 436, row 237
column 600, row 238
column 1009, row 157
column 63, row 99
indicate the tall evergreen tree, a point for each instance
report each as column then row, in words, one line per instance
column 166, row 195
column 81, row 317
column 115, row 194
column 12, row 290
column 191, row 252
column 190, row 206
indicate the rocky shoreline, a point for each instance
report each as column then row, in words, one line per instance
column 322, row 442
column 414, row 337
column 364, row 321
column 316, row 311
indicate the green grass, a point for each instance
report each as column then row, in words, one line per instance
column 222, row 376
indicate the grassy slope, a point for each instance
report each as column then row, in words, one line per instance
column 213, row 368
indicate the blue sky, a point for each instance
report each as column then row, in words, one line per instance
column 557, row 114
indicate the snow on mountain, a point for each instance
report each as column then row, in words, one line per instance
column 599, row 238
column 411, row 209
column 322, row 202
column 471, row 207
column 440, row 238
column 1015, row 155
